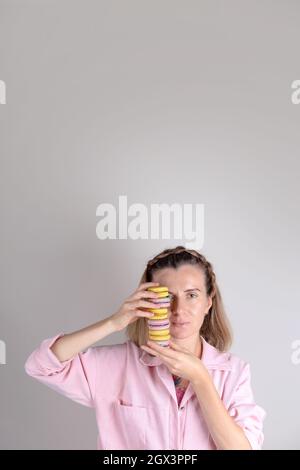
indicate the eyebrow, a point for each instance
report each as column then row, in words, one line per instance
column 188, row 290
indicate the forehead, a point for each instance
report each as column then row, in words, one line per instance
column 184, row 277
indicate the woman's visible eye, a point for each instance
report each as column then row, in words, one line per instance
column 192, row 293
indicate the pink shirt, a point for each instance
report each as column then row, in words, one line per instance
column 135, row 400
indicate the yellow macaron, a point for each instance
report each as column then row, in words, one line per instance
column 162, row 311
column 158, row 289
column 161, row 295
column 158, row 317
column 159, row 338
column 159, row 332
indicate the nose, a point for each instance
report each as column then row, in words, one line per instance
column 177, row 307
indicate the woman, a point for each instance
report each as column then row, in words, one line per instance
column 192, row 395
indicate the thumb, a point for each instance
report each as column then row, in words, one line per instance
column 175, row 346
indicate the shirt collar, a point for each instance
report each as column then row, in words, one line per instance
column 211, row 357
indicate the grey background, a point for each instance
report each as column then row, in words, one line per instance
column 163, row 101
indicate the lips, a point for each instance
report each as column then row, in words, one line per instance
column 179, row 324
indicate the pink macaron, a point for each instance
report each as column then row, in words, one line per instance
column 165, row 344
column 159, row 327
column 164, row 322
column 164, row 300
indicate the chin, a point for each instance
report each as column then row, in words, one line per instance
column 178, row 335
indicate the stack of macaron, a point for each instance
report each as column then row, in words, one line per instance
column 159, row 324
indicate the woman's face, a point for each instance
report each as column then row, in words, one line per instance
column 189, row 301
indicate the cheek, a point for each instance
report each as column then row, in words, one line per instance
column 198, row 306
column 203, row 305
column 198, row 312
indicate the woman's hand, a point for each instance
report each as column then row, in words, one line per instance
column 179, row 361
column 131, row 309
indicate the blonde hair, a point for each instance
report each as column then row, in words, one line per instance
column 215, row 329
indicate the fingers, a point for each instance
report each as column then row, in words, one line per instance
column 150, row 351
column 178, row 348
column 162, row 354
column 145, row 304
column 144, row 294
column 175, row 346
column 167, row 352
column 143, row 313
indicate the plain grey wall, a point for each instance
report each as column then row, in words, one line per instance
column 162, row 101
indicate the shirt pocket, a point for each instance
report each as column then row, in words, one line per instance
column 129, row 427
